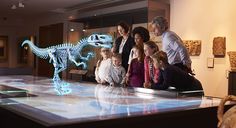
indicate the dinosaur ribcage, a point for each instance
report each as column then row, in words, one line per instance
column 62, row 57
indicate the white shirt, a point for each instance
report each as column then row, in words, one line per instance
column 116, row 75
column 131, row 55
column 123, row 41
column 103, row 70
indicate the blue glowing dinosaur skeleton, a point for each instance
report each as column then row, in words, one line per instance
column 59, row 54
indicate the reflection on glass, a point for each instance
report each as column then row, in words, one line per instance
column 114, row 101
column 62, row 87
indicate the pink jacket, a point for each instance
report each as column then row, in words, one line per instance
column 147, row 71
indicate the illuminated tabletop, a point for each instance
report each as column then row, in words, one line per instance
column 53, row 104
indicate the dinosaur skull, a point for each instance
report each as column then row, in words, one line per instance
column 98, row 40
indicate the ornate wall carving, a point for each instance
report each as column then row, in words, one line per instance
column 219, row 46
column 232, row 59
column 193, row 47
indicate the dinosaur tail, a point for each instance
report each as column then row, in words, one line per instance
column 42, row 53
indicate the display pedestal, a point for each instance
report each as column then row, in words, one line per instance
column 232, row 83
column 77, row 74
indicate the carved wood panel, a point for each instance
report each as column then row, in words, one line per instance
column 219, row 46
column 193, row 47
column 232, row 59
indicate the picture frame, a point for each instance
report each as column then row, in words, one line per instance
column 3, row 48
column 210, row 62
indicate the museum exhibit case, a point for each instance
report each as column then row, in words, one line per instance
column 30, row 101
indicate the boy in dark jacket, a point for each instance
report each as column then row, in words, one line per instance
column 172, row 76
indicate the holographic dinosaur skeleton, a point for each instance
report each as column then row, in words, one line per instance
column 59, row 54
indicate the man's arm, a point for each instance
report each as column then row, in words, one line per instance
column 177, row 45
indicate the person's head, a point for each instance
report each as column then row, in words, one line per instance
column 159, row 25
column 105, row 53
column 123, row 28
column 150, row 48
column 140, row 35
column 138, row 52
column 116, row 60
column 160, row 59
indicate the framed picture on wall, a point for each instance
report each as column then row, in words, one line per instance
column 3, row 48
column 210, row 62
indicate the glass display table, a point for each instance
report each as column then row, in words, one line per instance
column 44, row 103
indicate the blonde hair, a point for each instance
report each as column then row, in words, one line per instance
column 152, row 45
column 117, row 56
column 100, row 60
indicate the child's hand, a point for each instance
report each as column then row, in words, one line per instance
column 155, row 80
column 98, row 81
column 127, row 79
column 103, row 82
column 112, row 84
column 147, row 85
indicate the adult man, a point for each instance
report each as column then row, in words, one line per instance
column 172, row 44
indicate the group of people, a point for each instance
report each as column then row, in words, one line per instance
column 136, row 61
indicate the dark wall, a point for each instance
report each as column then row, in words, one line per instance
column 16, row 71
column 48, row 36
column 131, row 17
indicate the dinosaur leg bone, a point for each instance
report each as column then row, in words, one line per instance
column 56, row 76
column 89, row 55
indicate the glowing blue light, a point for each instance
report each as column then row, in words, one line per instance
column 59, row 54
column 62, row 87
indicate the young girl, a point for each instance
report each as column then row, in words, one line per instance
column 140, row 35
column 172, row 76
column 103, row 66
column 135, row 74
column 116, row 76
column 151, row 73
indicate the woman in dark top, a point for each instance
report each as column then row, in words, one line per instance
column 173, row 76
column 124, row 43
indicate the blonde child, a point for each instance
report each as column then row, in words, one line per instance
column 116, row 76
column 151, row 73
column 103, row 66
column 135, row 74
column 172, row 76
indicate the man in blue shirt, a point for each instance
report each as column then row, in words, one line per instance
column 172, row 44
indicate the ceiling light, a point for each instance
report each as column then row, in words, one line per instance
column 13, row 6
column 21, row 5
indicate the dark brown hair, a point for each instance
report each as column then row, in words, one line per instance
column 124, row 25
column 143, row 32
column 140, row 49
